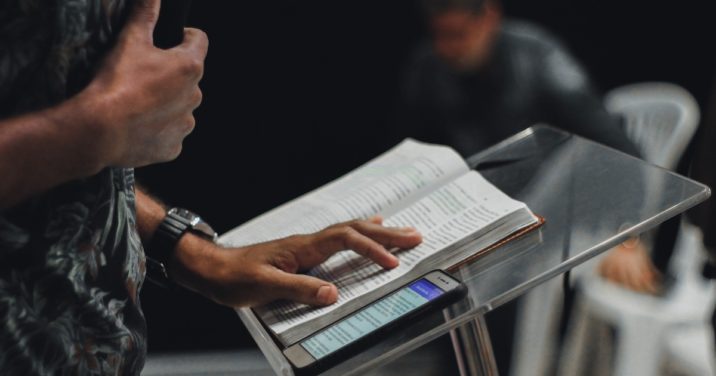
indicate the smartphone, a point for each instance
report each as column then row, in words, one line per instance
column 370, row 324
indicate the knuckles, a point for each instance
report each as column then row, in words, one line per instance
column 189, row 125
column 197, row 97
column 177, row 151
column 191, row 67
column 197, row 38
column 172, row 152
column 202, row 38
column 342, row 232
column 343, row 235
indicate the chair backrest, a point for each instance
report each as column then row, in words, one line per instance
column 660, row 118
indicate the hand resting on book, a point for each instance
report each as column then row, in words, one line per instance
column 257, row 274
column 459, row 214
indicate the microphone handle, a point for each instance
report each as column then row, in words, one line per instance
column 173, row 15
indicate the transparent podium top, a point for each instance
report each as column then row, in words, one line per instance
column 592, row 198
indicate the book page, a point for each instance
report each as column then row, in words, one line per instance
column 444, row 217
column 382, row 186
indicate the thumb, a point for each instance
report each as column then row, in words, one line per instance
column 143, row 18
column 304, row 289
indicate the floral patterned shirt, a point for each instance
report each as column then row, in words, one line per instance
column 71, row 261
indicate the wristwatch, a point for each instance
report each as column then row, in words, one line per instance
column 176, row 223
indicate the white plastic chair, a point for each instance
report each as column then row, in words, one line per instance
column 661, row 119
column 650, row 330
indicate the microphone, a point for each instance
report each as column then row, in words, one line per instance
column 169, row 31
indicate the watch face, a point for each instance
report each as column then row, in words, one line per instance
column 185, row 214
column 205, row 229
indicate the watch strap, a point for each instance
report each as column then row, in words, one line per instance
column 162, row 246
column 167, row 236
column 175, row 224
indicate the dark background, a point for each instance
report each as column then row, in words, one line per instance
column 298, row 93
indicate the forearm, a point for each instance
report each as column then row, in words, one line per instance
column 43, row 149
column 150, row 213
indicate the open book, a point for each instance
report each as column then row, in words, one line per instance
column 429, row 187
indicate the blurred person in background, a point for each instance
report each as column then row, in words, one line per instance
column 482, row 78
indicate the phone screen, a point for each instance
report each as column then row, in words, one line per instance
column 370, row 318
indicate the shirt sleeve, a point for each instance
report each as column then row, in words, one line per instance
column 572, row 103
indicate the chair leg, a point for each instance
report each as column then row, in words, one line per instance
column 639, row 347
